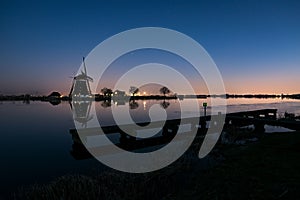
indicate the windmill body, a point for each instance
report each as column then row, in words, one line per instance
column 81, row 85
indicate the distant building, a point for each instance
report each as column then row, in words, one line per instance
column 119, row 93
column 54, row 95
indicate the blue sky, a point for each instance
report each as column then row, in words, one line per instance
column 255, row 44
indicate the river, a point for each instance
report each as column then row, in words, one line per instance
column 35, row 140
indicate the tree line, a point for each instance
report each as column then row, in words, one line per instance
column 133, row 91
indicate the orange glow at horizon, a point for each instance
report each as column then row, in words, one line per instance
column 237, row 87
column 260, row 84
column 265, row 85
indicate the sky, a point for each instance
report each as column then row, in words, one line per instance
column 255, row 44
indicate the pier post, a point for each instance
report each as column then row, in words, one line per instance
column 259, row 127
column 203, row 126
column 205, row 106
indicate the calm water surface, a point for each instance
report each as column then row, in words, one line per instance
column 35, row 140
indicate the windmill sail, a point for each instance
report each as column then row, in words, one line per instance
column 84, row 67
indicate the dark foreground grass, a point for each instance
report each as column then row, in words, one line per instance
column 267, row 169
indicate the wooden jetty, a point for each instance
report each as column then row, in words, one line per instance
column 258, row 118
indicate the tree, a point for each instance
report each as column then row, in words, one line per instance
column 106, row 91
column 164, row 91
column 133, row 90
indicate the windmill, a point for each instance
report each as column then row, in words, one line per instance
column 81, row 84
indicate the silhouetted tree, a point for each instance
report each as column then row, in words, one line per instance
column 106, row 91
column 133, row 90
column 164, row 91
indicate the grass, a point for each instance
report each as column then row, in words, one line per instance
column 267, row 169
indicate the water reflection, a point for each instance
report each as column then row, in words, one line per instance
column 34, row 128
column 119, row 102
column 133, row 104
column 81, row 112
column 55, row 102
column 106, row 104
column 165, row 104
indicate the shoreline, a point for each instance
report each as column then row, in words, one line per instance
column 98, row 97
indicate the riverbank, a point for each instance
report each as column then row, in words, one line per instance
column 265, row 169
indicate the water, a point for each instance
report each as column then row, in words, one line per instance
column 35, row 144
column 35, row 140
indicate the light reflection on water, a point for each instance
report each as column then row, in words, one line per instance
column 35, row 141
column 139, row 109
column 282, row 105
